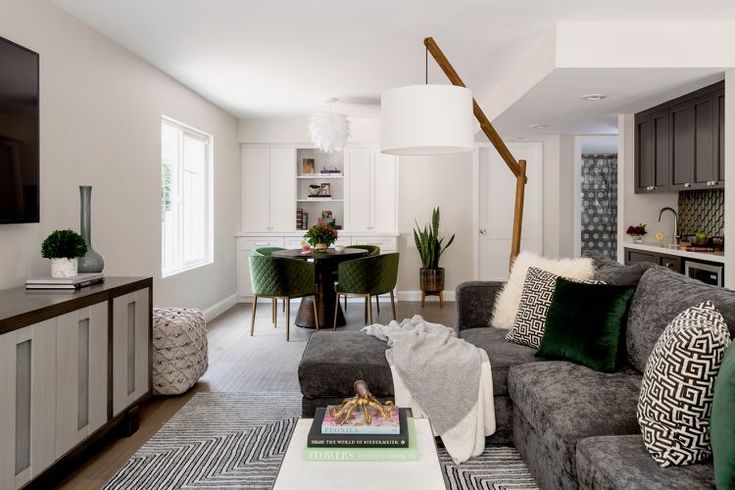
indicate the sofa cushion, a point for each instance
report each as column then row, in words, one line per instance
column 566, row 402
column 679, row 384
column 622, row 462
column 333, row 361
column 585, row 324
column 502, row 354
column 617, row 274
column 661, row 295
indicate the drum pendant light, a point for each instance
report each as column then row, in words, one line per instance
column 426, row 119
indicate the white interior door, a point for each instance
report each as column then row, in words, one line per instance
column 496, row 202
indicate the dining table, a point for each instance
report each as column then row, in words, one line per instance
column 325, row 266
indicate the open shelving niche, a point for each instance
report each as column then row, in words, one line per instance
column 315, row 206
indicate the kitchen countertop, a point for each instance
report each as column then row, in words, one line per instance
column 718, row 257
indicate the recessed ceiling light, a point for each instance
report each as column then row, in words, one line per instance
column 538, row 126
column 593, row 97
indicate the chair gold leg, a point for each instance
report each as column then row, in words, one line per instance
column 316, row 315
column 393, row 305
column 288, row 320
column 345, row 303
column 370, row 309
column 284, row 304
column 365, row 312
column 252, row 319
column 441, row 299
column 336, row 310
column 274, row 311
column 377, row 303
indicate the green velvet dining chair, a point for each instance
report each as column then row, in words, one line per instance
column 372, row 251
column 281, row 278
column 267, row 252
column 368, row 277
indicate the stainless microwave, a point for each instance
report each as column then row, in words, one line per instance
column 706, row 272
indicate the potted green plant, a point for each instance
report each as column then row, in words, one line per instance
column 431, row 248
column 321, row 236
column 63, row 248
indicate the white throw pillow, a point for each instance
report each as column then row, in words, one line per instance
column 678, row 386
column 509, row 298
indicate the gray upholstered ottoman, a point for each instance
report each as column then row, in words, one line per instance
column 179, row 349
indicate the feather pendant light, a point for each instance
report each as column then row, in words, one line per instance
column 329, row 131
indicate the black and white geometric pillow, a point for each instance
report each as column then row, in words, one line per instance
column 530, row 321
column 678, row 386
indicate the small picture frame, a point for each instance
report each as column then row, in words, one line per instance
column 326, row 189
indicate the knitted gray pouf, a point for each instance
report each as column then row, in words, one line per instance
column 179, row 349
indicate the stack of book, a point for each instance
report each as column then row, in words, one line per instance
column 66, row 283
column 355, row 440
column 302, row 219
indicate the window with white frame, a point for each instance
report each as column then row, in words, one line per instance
column 186, row 197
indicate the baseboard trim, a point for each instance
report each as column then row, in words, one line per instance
column 416, row 296
column 220, row 307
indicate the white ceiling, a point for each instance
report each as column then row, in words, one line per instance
column 264, row 58
column 555, row 102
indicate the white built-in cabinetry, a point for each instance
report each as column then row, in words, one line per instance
column 54, row 373
column 364, row 199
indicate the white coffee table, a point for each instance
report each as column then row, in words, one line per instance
column 342, row 475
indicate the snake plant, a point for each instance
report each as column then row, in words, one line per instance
column 428, row 243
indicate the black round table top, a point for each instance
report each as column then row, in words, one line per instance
column 330, row 254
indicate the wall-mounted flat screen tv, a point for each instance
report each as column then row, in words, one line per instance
column 19, row 134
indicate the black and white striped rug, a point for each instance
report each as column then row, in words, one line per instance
column 237, row 440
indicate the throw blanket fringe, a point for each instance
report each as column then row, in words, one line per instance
column 444, row 378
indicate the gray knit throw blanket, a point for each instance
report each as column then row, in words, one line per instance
column 441, row 371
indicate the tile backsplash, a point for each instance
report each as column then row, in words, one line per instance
column 702, row 210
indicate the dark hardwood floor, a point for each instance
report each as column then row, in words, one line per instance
column 237, row 363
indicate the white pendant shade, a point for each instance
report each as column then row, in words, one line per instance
column 426, row 120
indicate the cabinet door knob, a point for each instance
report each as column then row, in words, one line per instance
column 688, row 184
column 483, row 232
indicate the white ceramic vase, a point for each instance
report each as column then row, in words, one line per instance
column 63, row 267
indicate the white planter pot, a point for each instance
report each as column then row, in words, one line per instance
column 64, row 267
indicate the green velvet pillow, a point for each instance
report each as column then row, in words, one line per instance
column 585, row 324
column 722, row 423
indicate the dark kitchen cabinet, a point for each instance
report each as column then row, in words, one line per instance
column 680, row 144
column 672, row 262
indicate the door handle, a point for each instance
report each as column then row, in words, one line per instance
column 483, row 232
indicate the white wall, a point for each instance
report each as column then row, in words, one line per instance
column 423, row 184
column 558, row 212
column 730, row 176
column 100, row 125
column 636, row 208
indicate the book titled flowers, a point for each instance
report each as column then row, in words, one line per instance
column 356, row 424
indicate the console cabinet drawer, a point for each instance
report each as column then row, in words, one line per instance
column 251, row 243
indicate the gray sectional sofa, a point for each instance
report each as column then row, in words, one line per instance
column 575, row 427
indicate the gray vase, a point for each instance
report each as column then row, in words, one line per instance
column 92, row 261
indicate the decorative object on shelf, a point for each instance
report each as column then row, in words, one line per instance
column 92, row 261
column 437, row 119
column 63, row 247
column 328, row 219
column 362, row 400
column 315, row 190
column 329, row 131
column 326, row 189
column 307, row 165
column 321, row 236
column 431, row 248
column 331, row 171
column 637, row 232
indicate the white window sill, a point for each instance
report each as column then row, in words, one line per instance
column 187, row 268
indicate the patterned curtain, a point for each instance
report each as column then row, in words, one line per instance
column 600, row 204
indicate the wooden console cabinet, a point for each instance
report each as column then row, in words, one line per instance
column 73, row 366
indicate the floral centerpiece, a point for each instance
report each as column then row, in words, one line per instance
column 321, row 236
column 637, row 232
